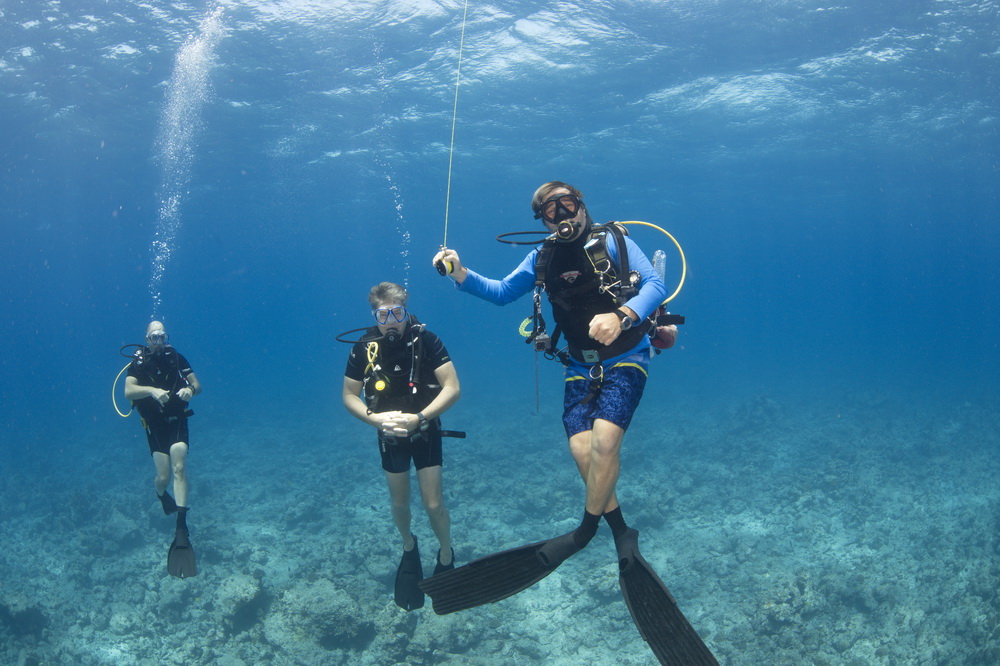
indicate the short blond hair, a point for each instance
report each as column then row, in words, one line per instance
column 387, row 292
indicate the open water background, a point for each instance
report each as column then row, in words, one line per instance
column 247, row 170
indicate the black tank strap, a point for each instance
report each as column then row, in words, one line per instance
column 417, row 348
column 542, row 262
column 626, row 290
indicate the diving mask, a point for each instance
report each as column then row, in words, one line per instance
column 157, row 338
column 559, row 210
column 397, row 312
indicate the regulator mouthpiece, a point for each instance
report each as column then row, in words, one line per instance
column 565, row 230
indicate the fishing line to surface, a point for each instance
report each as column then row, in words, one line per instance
column 454, row 118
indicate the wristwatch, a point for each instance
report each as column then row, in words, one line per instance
column 626, row 320
column 424, row 424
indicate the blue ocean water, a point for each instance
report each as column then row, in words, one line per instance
column 813, row 466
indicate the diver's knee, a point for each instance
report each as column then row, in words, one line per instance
column 434, row 506
column 580, row 449
column 605, row 449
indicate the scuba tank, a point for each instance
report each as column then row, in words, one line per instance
column 660, row 263
column 663, row 337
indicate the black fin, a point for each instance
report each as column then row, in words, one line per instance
column 408, row 594
column 180, row 558
column 655, row 613
column 497, row 576
column 441, row 568
column 169, row 505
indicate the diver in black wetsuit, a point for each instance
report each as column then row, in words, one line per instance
column 161, row 384
column 399, row 380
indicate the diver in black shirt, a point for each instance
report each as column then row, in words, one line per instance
column 160, row 383
column 399, row 380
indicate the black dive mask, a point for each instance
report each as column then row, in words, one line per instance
column 560, row 210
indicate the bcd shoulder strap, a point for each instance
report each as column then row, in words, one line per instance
column 627, row 288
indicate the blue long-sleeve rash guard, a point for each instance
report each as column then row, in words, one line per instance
column 522, row 280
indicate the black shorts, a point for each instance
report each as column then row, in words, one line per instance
column 424, row 449
column 164, row 433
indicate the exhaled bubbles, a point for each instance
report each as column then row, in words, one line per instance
column 175, row 144
column 404, row 234
column 383, row 143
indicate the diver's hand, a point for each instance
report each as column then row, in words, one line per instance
column 186, row 394
column 396, row 424
column 161, row 396
column 380, row 419
column 667, row 335
column 448, row 260
column 605, row 328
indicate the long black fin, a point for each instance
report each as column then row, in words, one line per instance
column 655, row 612
column 498, row 576
column 181, row 561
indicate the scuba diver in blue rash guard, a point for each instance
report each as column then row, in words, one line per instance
column 604, row 293
column 399, row 380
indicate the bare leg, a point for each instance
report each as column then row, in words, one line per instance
column 399, row 496
column 162, row 463
column 178, row 458
column 429, row 479
column 596, row 455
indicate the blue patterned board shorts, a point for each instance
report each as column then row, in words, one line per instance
column 619, row 393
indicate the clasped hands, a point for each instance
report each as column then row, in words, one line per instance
column 396, row 423
column 162, row 396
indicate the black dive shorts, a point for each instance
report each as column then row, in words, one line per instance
column 424, row 449
column 164, row 433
